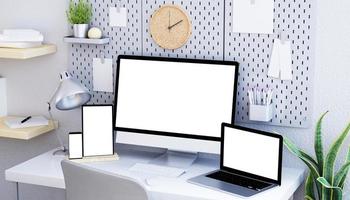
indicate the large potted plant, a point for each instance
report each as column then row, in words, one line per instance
column 323, row 182
column 79, row 15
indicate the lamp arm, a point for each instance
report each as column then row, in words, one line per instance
column 57, row 132
column 64, row 149
column 53, row 95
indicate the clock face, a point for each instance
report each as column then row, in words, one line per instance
column 170, row 27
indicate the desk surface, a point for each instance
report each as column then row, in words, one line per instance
column 45, row 170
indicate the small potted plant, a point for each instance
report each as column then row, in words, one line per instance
column 79, row 15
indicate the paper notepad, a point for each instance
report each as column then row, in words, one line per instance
column 102, row 75
column 33, row 121
column 286, row 61
column 117, row 17
column 274, row 67
column 281, row 61
column 253, row 16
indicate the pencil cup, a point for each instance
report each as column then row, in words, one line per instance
column 261, row 113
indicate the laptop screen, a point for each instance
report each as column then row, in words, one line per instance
column 253, row 152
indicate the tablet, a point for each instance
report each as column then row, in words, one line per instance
column 97, row 130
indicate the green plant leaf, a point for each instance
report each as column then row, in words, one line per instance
column 328, row 186
column 308, row 198
column 341, row 175
column 319, row 144
column 79, row 13
column 328, row 170
column 295, row 150
column 308, row 160
column 343, row 179
column 309, row 187
column 318, row 147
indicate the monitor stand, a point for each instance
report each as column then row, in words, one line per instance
column 178, row 159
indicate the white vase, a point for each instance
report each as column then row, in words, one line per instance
column 3, row 97
column 80, row 30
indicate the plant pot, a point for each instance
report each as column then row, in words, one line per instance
column 80, row 30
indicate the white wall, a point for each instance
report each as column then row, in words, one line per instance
column 31, row 82
column 331, row 82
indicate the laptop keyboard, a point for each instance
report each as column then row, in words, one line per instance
column 239, row 180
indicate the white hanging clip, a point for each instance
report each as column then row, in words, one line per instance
column 283, row 36
column 118, row 6
column 102, row 57
column 252, row 2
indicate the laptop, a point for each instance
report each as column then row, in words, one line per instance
column 250, row 162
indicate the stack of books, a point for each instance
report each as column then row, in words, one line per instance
column 12, row 127
column 20, row 38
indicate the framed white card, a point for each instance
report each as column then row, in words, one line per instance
column 97, row 130
column 75, row 145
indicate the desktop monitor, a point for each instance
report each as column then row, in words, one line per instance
column 172, row 103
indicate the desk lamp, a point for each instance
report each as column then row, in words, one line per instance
column 68, row 95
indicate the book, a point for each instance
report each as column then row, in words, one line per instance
column 33, row 121
column 24, row 133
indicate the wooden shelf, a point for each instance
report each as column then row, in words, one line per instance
column 70, row 39
column 13, row 53
column 24, row 133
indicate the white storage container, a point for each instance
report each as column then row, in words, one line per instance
column 3, row 97
column 263, row 113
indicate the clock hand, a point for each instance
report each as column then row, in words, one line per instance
column 169, row 20
column 170, row 27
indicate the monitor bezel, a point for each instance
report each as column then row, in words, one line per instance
column 246, row 174
column 165, row 59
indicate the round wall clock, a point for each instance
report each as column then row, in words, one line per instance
column 170, row 27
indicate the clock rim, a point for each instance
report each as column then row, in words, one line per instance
column 188, row 19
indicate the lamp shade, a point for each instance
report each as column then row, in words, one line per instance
column 70, row 94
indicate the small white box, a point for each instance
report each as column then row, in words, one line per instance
column 261, row 113
column 3, row 97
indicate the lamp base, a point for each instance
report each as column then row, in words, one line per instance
column 61, row 152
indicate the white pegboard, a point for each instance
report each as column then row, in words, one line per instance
column 123, row 40
column 212, row 38
column 207, row 39
column 292, row 99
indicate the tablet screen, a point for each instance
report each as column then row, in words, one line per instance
column 98, row 130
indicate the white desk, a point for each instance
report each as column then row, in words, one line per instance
column 45, row 170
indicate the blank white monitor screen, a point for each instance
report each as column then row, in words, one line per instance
column 175, row 97
column 251, row 152
column 98, row 130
